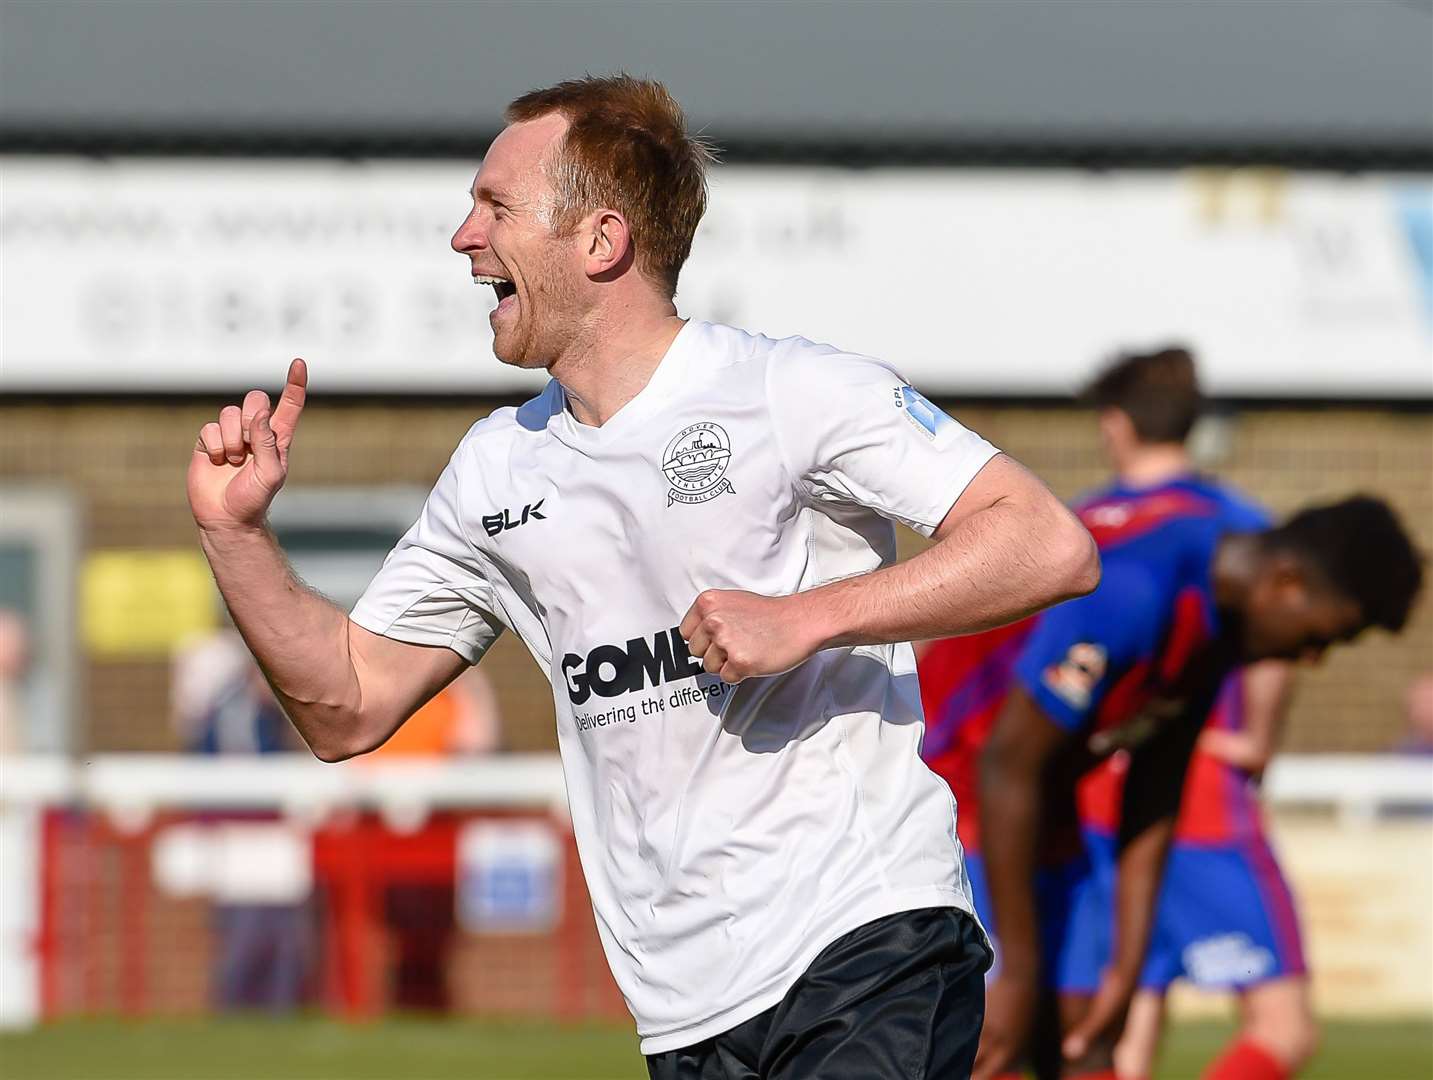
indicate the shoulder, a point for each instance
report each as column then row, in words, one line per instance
column 1130, row 588
column 1130, row 579
column 798, row 357
column 1147, row 521
column 1122, row 617
column 1240, row 510
column 495, row 433
column 793, row 356
column 1167, row 559
column 1235, row 508
column 1125, row 613
column 1140, row 580
column 821, row 376
column 1090, row 500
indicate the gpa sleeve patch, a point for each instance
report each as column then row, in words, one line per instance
column 924, row 416
column 856, row 432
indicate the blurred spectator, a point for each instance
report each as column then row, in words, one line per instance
column 1419, row 737
column 14, row 663
column 264, row 956
column 463, row 718
column 220, row 704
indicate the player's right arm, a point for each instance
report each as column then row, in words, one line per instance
column 1014, row 766
column 1072, row 658
column 345, row 689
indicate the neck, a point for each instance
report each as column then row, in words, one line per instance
column 612, row 356
column 1146, row 466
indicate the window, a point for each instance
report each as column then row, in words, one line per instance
column 39, row 673
column 337, row 538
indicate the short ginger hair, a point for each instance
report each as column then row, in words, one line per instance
column 1158, row 391
column 627, row 148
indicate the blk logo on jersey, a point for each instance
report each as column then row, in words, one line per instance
column 502, row 522
column 612, row 670
column 695, row 462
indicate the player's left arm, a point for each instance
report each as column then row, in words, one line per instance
column 1153, row 788
column 1005, row 549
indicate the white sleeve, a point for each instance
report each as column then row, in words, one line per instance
column 854, row 431
column 431, row 590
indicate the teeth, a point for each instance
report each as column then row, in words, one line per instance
column 487, row 279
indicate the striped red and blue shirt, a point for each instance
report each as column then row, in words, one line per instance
column 1096, row 662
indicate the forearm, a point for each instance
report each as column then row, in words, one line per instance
column 1150, row 804
column 995, row 567
column 1138, row 879
column 1268, row 689
column 1011, row 805
column 1006, row 549
column 300, row 640
column 1240, row 749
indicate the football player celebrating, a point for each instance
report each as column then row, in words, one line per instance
column 691, row 530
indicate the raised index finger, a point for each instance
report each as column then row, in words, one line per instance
column 291, row 402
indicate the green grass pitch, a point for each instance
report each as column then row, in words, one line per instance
column 412, row 1049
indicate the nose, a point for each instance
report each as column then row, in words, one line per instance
column 472, row 234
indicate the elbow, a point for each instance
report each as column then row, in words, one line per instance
column 332, row 751
column 1077, row 562
column 1259, row 760
column 1088, row 570
column 340, row 737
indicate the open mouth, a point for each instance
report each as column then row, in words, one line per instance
column 501, row 285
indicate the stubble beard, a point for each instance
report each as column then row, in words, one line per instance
column 544, row 327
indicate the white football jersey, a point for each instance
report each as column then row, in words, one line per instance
column 727, row 833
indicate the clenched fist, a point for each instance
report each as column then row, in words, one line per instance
column 738, row 635
column 241, row 461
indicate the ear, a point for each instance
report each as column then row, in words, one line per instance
column 1116, row 430
column 608, row 244
column 1287, row 573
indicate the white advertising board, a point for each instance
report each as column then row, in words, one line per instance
column 207, row 275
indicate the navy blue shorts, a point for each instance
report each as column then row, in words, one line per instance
column 901, row 998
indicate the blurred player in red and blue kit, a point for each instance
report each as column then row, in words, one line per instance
column 1225, row 918
column 1024, row 723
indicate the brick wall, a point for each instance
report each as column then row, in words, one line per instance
column 125, row 463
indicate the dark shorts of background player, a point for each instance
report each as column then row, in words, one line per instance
column 901, row 998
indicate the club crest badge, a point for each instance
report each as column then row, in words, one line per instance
column 695, row 463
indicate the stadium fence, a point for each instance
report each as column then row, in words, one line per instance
column 120, row 870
